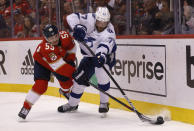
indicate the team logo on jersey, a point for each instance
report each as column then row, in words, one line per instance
column 189, row 67
column 28, row 64
column 53, row 56
column 2, row 60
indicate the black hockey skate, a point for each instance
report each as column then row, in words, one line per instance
column 67, row 108
column 103, row 108
column 66, row 95
column 23, row 113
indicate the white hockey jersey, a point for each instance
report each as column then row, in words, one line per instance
column 103, row 42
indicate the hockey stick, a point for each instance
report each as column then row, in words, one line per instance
column 159, row 120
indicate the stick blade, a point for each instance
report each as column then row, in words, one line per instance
column 156, row 121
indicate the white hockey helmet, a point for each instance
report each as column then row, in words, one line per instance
column 103, row 14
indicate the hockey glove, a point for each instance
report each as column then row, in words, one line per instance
column 79, row 32
column 99, row 60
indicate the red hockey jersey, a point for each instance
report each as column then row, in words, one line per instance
column 56, row 58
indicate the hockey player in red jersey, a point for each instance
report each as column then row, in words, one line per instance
column 56, row 55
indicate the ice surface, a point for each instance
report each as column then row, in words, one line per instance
column 44, row 117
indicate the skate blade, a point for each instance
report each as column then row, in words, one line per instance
column 72, row 111
column 103, row 115
column 19, row 119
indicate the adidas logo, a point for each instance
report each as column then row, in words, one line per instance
column 28, row 64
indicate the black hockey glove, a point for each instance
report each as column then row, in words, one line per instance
column 99, row 60
column 79, row 32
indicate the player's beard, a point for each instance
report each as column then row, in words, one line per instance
column 100, row 29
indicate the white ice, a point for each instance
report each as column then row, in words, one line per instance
column 44, row 117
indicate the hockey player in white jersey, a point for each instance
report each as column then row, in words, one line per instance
column 98, row 33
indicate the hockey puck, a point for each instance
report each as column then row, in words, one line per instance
column 160, row 120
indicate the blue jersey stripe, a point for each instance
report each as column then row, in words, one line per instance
column 77, row 15
column 93, row 15
column 74, row 95
column 104, row 87
column 114, row 48
column 103, row 45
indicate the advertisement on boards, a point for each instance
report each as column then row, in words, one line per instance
column 159, row 72
column 2, row 62
column 5, row 64
column 190, row 66
column 16, row 61
column 141, row 68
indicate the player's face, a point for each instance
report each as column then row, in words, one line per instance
column 100, row 25
column 53, row 40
